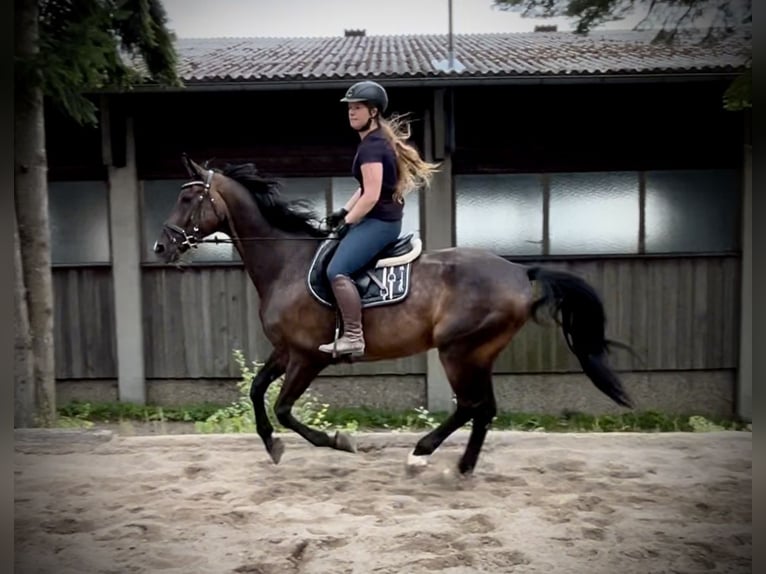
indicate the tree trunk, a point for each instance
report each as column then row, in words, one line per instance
column 23, row 358
column 31, row 206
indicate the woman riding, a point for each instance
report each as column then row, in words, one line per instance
column 387, row 169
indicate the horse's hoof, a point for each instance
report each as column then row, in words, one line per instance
column 277, row 450
column 344, row 442
column 416, row 464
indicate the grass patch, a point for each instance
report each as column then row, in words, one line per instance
column 226, row 418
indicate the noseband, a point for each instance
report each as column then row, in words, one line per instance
column 178, row 235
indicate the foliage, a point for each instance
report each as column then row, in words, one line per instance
column 670, row 19
column 88, row 45
column 115, row 412
column 239, row 416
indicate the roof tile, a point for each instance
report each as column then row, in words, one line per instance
column 482, row 55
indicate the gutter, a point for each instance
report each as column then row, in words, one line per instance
column 436, row 82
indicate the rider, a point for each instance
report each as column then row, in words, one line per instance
column 387, row 168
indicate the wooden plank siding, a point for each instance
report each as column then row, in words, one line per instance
column 84, row 323
column 193, row 321
column 677, row 313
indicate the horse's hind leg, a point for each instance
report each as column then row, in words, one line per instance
column 484, row 410
column 472, row 385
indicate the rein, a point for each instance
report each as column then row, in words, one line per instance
column 229, row 240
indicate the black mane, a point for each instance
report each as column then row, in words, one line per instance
column 291, row 216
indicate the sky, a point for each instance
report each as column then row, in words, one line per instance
column 280, row 18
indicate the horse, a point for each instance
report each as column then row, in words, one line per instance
column 467, row 303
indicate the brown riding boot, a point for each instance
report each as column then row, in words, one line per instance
column 350, row 306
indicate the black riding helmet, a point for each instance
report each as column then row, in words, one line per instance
column 370, row 92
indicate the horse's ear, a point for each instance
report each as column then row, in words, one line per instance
column 189, row 165
column 194, row 169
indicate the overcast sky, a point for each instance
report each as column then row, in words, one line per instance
column 216, row 18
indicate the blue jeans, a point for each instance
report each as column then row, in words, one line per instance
column 361, row 244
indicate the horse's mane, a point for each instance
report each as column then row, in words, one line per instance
column 291, row 216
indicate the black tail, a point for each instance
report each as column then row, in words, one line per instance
column 583, row 320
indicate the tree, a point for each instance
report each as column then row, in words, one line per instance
column 670, row 18
column 64, row 50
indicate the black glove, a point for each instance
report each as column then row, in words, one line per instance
column 342, row 229
column 336, row 217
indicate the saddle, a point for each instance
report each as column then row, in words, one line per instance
column 385, row 280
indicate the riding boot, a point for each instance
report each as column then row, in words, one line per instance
column 350, row 305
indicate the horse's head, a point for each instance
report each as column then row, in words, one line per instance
column 199, row 211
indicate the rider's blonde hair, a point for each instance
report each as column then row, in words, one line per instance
column 414, row 172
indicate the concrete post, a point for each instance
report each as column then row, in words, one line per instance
column 124, row 221
column 438, row 223
column 745, row 371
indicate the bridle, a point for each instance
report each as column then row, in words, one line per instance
column 178, row 235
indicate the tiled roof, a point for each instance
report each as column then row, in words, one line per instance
column 418, row 56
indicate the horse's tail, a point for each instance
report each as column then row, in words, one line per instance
column 582, row 319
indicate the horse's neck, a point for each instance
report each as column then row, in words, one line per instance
column 271, row 256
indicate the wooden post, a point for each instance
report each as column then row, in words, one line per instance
column 745, row 371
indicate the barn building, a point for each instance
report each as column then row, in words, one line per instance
column 607, row 155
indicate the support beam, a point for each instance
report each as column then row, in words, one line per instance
column 124, row 221
column 745, row 371
column 438, row 218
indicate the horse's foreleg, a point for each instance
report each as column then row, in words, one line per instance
column 272, row 369
column 300, row 374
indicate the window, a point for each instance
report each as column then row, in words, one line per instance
column 79, row 222
column 159, row 196
column 593, row 213
column 501, row 213
column 599, row 213
column 692, row 211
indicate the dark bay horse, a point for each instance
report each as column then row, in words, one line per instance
column 466, row 303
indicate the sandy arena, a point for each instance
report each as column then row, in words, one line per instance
column 102, row 503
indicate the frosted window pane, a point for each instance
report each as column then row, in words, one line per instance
column 79, row 222
column 159, row 198
column 501, row 213
column 592, row 213
column 310, row 189
column 344, row 187
column 692, row 211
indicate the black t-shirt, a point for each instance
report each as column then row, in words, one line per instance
column 375, row 148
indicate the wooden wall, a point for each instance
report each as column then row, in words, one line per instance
column 83, row 316
column 193, row 320
column 677, row 313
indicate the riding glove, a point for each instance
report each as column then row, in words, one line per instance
column 336, row 217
